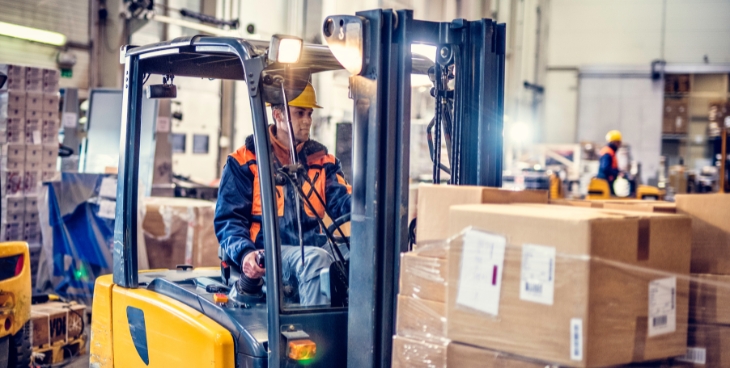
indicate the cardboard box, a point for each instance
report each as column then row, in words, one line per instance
column 49, row 153
column 12, row 123
column 31, row 203
column 13, row 135
column 50, row 102
column 408, row 353
column 12, row 205
column 33, row 153
column 12, row 70
column 576, row 203
column 676, row 83
column 12, row 182
column 57, row 322
column 584, row 306
column 13, row 99
column 48, row 176
column 33, row 72
column 41, row 328
column 709, row 299
column 676, row 116
column 33, row 85
column 423, row 277
column 167, row 226
column 710, row 231
column 11, row 232
column 421, row 319
column 52, row 116
column 434, row 202
column 707, row 346
column 641, row 206
column 32, row 181
column 460, row 355
column 49, row 132
column 34, row 101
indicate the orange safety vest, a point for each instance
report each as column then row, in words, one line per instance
column 317, row 175
column 610, row 151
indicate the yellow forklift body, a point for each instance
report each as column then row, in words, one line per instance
column 15, row 292
column 149, row 329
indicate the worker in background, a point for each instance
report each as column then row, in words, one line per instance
column 608, row 164
column 238, row 210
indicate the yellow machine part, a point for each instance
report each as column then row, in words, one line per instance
column 598, row 189
column 647, row 191
column 15, row 292
column 175, row 334
column 556, row 187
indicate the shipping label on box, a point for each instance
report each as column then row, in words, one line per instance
column 34, row 101
column 33, row 131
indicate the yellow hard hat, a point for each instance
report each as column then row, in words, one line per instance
column 307, row 99
column 613, row 136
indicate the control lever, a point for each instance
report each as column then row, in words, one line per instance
column 248, row 286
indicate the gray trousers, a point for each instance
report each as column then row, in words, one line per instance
column 305, row 277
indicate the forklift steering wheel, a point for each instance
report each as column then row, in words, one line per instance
column 337, row 224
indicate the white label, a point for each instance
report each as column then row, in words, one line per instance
column 108, row 188
column 163, row 124
column 695, row 356
column 68, row 120
column 662, row 306
column 537, row 280
column 480, row 280
column 107, row 209
column 576, row 339
column 37, row 137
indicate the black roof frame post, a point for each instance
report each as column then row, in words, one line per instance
column 125, row 226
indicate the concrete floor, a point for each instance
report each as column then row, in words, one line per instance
column 80, row 362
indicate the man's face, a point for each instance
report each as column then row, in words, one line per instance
column 301, row 121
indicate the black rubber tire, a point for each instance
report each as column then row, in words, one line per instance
column 20, row 348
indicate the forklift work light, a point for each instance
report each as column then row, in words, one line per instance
column 285, row 49
column 344, row 36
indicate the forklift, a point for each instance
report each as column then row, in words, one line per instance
column 196, row 317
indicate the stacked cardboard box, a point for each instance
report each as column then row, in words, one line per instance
column 29, row 124
column 709, row 333
column 180, row 231
column 57, row 323
column 420, row 339
column 620, row 204
column 570, row 286
column 576, row 286
column 676, row 116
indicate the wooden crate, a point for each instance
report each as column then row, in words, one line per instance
column 55, row 332
column 76, row 318
column 40, row 329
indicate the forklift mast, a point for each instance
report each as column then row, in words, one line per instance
column 470, row 52
column 381, row 146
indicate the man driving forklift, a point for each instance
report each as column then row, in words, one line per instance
column 238, row 210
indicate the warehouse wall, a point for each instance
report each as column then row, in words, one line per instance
column 624, row 32
column 69, row 17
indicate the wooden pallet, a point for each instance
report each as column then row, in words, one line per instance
column 59, row 352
